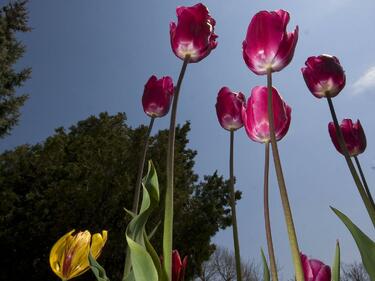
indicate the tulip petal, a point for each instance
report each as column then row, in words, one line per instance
column 267, row 44
column 76, row 260
column 306, row 268
column 286, row 51
column 97, row 243
column 324, row 274
column 56, row 254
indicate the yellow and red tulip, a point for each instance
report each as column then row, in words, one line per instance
column 69, row 256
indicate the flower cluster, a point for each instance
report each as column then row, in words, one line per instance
column 266, row 117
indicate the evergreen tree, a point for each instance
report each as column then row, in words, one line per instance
column 13, row 19
column 82, row 179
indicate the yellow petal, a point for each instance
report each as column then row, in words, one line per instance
column 57, row 253
column 98, row 242
column 79, row 251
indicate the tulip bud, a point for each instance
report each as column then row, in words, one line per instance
column 255, row 115
column 228, row 109
column 157, row 96
column 354, row 136
column 267, row 44
column 315, row 270
column 178, row 267
column 194, row 33
column 324, row 76
column 69, row 255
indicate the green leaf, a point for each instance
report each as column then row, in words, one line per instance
column 365, row 245
column 97, row 269
column 143, row 264
column 336, row 264
column 266, row 271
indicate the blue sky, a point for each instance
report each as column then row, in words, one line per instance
column 94, row 56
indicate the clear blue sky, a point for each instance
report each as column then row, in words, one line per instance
column 93, row 56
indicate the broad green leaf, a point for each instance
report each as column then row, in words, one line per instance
column 142, row 262
column 97, row 269
column 266, row 271
column 336, row 264
column 365, row 245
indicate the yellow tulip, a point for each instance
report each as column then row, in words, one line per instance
column 69, row 255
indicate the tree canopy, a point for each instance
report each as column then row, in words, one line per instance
column 13, row 19
column 82, row 178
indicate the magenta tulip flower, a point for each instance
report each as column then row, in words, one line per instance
column 157, row 96
column 178, row 266
column 315, row 270
column 228, row 109
column 324, row 76
column 354, row 136
column 255, row 115
column 194, row 33
column 267, row 43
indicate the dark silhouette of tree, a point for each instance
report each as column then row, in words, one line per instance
column 354, row 272
column 13, row 19
column 82, row 178
column 222, row 267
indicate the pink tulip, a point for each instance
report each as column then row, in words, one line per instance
column 267, row 44
column 178, row 267
column 324, row 76
column 194, row 33
column 157, row 96
column 354, row 136
column 228, row 109
column 315, row 270
column 255, row 115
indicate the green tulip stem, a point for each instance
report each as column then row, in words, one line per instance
column 233, row 207
column 168, row 214
column 140, row 168
column 137, row 191
column 364, row 181
column 267, row 221
column 340, row 138
column 282, row 187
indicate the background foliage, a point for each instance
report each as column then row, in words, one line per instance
column 13, row 19
column 82, row 178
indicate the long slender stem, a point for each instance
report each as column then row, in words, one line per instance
column 351, row 167
column 137, row 191
column 267, row 222
column 364, row 181
column 234, row 213
column 168, row 215
column 282, row 187
column 141, row 167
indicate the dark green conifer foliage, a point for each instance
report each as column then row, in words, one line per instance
column 13, row 19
